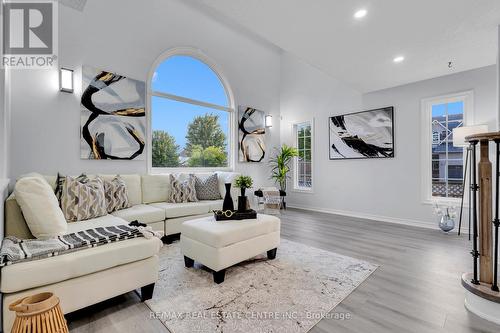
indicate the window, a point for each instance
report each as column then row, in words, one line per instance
column 303, row 163
column 442, row 162
column 191, row 113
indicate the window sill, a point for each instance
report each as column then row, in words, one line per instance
column 445, row 201
column 303, row 190
column 189, row 170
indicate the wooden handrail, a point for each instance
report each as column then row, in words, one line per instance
column 491, row 136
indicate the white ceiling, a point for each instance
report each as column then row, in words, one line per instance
column 429, row 33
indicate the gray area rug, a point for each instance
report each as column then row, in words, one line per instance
column 289, row 294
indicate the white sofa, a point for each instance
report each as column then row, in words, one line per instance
column 90, row 276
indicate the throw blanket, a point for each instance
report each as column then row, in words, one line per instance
column 16, row 250
column 272, row 199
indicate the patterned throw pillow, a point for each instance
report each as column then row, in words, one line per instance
column 116, row 194
column 182, row 191
column 208, row 188
column 83, row 200
column 60, row 184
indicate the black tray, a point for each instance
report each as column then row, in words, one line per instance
column 249, row 214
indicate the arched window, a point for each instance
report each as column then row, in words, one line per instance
column 191, row 114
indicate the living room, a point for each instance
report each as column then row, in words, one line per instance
column 350, row 132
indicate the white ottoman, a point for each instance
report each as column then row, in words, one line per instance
column 221, row 244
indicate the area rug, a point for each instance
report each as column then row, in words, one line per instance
column 289, row 294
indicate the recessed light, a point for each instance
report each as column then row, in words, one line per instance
column 360, row 13
column 398, row 59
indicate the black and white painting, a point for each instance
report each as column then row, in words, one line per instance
column 251, row 134
column 113, row 117
column 366, row 134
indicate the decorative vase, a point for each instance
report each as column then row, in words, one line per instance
column 446, row 223
column 228, row 200
column 242, row 201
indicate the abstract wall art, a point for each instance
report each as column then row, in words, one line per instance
column 113, row 117
column 251, row 134
column 365, row 134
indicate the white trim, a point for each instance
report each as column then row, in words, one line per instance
column 482, row 307
column 191, row 101
column 159, row 171
column 395, row 220
column 426, row 135
column 296, row 188
column 201, row 56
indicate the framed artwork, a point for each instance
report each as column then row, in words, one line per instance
column 112, row 116
column 251, row 134
column 365, row 134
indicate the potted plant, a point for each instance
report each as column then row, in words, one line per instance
column 243, row 182
column 280, row 165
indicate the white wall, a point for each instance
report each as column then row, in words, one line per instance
column 3, row 128
column 400, row 184
column 125, row 37
column 384, row 189
column 3, row 150
column 308, row 93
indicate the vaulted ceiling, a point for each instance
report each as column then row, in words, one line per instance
column 324, row 33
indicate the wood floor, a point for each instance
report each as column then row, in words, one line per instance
column 415, row 289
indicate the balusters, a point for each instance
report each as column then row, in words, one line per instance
column 496, row 221
column 474, row 252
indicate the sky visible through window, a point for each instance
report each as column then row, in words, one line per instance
column 187, row 77
column 453, row 108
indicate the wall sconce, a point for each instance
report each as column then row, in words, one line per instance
column 66, row 80
column 269, row 120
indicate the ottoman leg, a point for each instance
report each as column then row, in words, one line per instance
column 166, row 240
column 188, row 262
column 147, row 292
column 219, row 276
column 271, row 254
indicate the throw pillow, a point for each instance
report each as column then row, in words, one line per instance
column 116, row 194
column 60, row 184
column 182, row 190
column 40, row 207
column 208, row 188
column 83, row 200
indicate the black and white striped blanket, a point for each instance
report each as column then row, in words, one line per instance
column 16, row 250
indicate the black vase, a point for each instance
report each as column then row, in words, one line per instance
column 228, row 200
column 242, row 201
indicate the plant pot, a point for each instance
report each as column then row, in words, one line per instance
column 243, row 203
column 228, row 203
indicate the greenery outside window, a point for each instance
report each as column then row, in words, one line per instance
column 190, row 115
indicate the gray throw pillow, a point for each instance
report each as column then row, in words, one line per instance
column 208, row 188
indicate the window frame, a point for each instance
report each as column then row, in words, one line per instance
column 295, row 186
column 467, row 97
column 231, row 138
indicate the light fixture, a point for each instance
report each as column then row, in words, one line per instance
column 269, row 120
column 360, row 13
column 398, row 59
column 459, row 134
column 66, row 80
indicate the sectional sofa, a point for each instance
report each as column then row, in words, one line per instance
column 90, row 276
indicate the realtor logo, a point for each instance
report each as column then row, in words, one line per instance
column 29, row 37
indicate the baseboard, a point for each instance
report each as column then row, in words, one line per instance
column 410, row 222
